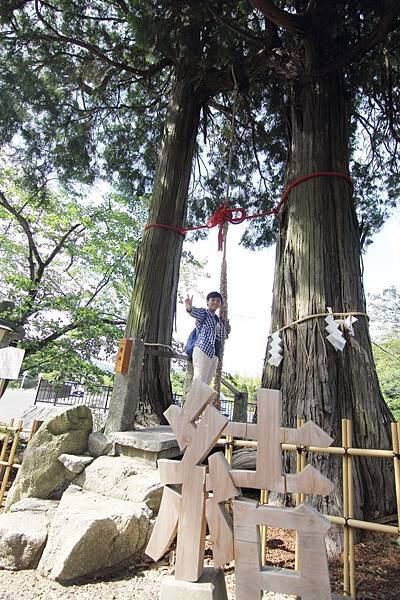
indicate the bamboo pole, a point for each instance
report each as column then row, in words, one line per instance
column 345, row 462
column 338, row 450
column 396, row 462
column 297, row 500
column 349, row 440
column 264, row 494
column 10, row 460
column 366, row 525
column 302, row 463
column 5, row 445
column 229, row 443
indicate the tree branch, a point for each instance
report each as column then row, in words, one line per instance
column 33, row 251
column 387, row 23
column 60, row 244
column 96, row 51
column 281, row 18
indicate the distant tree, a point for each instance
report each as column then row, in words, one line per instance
column 384, row 311
column 387, row 360
column 66, row 262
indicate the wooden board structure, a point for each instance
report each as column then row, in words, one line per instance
column 310, row 582
column 205, row 490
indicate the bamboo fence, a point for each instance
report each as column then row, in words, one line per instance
column 7, row 462
column 347, row 520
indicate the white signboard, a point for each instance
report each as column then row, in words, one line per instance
column 10, row 362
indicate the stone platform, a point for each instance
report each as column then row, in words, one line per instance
column 211, row 586
column 148, row 444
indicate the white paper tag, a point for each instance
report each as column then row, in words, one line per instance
column 10, row 362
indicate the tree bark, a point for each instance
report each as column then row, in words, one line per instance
column 152, row 306
column 318, row 265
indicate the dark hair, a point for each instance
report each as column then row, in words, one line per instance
column 215, row 295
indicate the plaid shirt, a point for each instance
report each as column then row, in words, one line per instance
column 206, row 327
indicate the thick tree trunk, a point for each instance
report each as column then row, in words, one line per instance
column 318, row 265
column 157, row 263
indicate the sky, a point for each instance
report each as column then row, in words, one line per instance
column 250, row 281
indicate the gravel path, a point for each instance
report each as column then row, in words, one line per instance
column 129, row 585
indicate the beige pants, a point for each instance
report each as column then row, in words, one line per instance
column 204, row 367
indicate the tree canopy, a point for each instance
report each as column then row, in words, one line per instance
column 86, row 87
column 66, row 261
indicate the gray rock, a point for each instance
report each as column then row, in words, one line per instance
column 22, row 539
column 75, row 464
column 48, row 507
column 124, row 478
column 42, row 475
column 100, row 445
column 92, row 535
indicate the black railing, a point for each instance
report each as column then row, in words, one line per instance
column 227, row 406
column 71, row 393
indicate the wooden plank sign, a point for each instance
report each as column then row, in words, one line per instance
column 123, row 355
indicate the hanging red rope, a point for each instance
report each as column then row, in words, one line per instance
column 225, row 213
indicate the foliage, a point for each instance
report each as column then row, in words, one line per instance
column 241, row 382
column 387, row 361
column 384, row 311
column 93, row 82
column 66, row 260
column 177, row 382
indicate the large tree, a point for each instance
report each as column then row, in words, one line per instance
column 319, row 245
column 119, row 87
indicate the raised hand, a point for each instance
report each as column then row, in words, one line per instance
column 189, row 303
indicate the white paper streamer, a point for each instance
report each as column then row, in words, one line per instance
column 335, row 336
column 275, row 350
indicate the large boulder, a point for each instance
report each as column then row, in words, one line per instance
column 92, row 535
column 42, row 475
column 22, row 539
column 125, row 478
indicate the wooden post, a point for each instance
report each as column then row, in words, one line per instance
column 240, row 407
column 124, row 399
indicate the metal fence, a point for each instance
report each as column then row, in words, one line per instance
column 71, row 393
column 227, row 406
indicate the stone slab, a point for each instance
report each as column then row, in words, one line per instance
column 152, row 439
column 148, row 445
column 210, row 586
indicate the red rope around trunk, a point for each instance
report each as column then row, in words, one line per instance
column 237, row 215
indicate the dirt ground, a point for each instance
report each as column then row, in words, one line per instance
column 377, row 575
column 377, row 564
